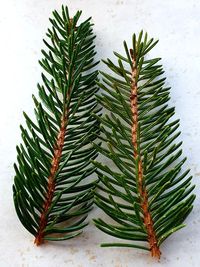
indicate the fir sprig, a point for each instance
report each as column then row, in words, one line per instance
column 146, row 193
column 52, row 186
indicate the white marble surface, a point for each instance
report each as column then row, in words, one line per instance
column 23, row 24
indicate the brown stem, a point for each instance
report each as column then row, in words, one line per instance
column 148, row 222
column 54, row 165
column 51, row 179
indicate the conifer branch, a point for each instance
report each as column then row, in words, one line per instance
column 53, row 188
column 145, row 193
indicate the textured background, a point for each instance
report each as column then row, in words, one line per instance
column 23, row 24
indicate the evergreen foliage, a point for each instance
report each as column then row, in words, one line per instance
column 53, row 188
column 143, row 189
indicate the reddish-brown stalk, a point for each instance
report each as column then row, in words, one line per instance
column 148, row 222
